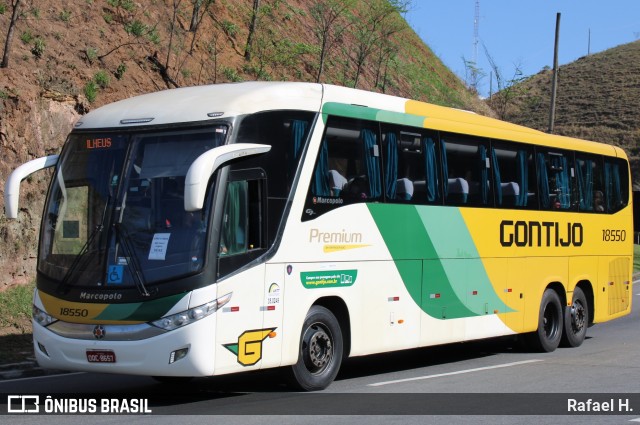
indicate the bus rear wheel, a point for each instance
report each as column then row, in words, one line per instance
column 547, row 337
column 320, row 352
column 576, row 320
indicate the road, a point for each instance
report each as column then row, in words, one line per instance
column 492, row 377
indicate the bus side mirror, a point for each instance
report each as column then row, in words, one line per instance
column 197, row 179
column 12, row 185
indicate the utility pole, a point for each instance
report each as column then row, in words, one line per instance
column 554, row 81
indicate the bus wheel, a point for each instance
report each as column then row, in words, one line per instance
column 576, row 317
column 547, row 337
column 320, row 352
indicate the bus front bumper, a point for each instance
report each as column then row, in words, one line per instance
column 186, row 351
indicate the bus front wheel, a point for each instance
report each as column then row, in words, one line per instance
column 576, row 320
column 547, row 337
column 320, row 352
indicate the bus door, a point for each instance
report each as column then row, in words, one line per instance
column 240, row 332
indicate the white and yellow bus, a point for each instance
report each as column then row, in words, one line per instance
column 212, row 230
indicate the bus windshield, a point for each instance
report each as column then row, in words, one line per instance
column 115, row 212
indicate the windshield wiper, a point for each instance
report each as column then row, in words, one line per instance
column 123, row 237
column 76, row 261
column 85, row 248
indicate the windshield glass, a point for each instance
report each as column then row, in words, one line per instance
column 115, row 214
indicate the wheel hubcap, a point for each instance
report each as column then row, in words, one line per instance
column 317, row 348
column 577, row 317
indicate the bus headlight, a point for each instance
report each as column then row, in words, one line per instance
column 184, row 318
column 42, row 318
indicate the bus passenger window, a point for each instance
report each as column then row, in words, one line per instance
column 466, row 176
column 554, row 180
column 347, row 167
column 589, row 183
column 615, row 183
column 513, row 172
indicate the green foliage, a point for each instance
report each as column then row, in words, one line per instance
column 91, row 91
column 65, row 15
column 231, row 74
column 108, row 17
column 153, row 36
column 102, row 79
column 127, row 5
column 3, row 9
column 26, row 37
column 38, row 47
column 230, row 28
column 16, row 303
column 136, row 28
column 92, row 54
column 120, row 71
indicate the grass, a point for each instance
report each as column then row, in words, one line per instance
column 636, row 258
column 16, row 305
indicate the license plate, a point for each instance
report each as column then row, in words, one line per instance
column 101, row 356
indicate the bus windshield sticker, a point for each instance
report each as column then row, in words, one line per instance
column 158, row 250
column 328, row 279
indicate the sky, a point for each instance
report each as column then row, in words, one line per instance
column 519, row 34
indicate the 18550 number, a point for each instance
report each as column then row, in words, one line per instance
column 74, row 312
column 614, row 235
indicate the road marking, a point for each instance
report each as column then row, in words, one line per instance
column 635, row 420
column 459, row 372
column 30, row 378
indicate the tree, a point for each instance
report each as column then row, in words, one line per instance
column 473, row 75
column 328, row 17
column 252, row 29
column 508, row 90
column 374, row 24
column 7, row 44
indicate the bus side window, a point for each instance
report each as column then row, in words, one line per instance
column 589, row 183
column 347, row 167
column 513, row 175
column 466, row 171
column 410, row 165
column 554, row 180
column 615, row 183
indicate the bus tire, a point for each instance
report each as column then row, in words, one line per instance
column 320, row 352
column 576, row 320
column 547, row 337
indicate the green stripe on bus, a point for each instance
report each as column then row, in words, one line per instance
column 372, row 114
column 428, row 245
column 145, row 311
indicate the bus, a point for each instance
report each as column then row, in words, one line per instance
column 227, row 228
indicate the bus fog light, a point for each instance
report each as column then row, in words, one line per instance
column 178, row 354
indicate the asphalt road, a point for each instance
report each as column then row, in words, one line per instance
column 488, row 382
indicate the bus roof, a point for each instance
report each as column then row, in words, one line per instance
column 201, row 103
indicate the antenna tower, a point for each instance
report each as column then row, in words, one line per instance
column 476, row 38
